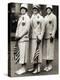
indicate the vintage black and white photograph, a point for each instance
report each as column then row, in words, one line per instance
column 32, row 39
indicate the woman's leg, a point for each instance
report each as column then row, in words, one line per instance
column 22, row 58
column 32, row 52
column 48, row 62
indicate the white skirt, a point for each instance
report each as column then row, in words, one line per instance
column 48, row 49
column 33, row 46
column 24, row 51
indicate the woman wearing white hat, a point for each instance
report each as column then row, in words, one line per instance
column 37, row 25
column 49, row 40
column 22, row 35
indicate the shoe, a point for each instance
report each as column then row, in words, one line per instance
column 48, row 68
column 35, row 71
column 21, row 71
column 30, row 70
column 45, row 68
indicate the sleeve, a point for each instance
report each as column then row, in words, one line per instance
column 54, row 26
column 31, row 21
column 27, row 27
column 40, row 36
column 17, row 29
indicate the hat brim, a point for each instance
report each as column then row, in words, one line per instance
column 48, row 8
column 35, row 8
column 23, row 8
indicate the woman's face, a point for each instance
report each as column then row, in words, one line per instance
column 23, row 11
column 35, row 11
column 48, row 10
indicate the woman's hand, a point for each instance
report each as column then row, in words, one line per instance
column 38, row 40
column 51, row 37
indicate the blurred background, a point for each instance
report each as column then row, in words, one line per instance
column 13, row 16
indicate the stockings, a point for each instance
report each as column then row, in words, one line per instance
column 48, row 62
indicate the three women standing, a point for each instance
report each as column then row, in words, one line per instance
column 39, row 26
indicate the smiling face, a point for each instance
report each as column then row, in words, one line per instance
column 48, row 11
column 35, row 11
column 23, row 11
